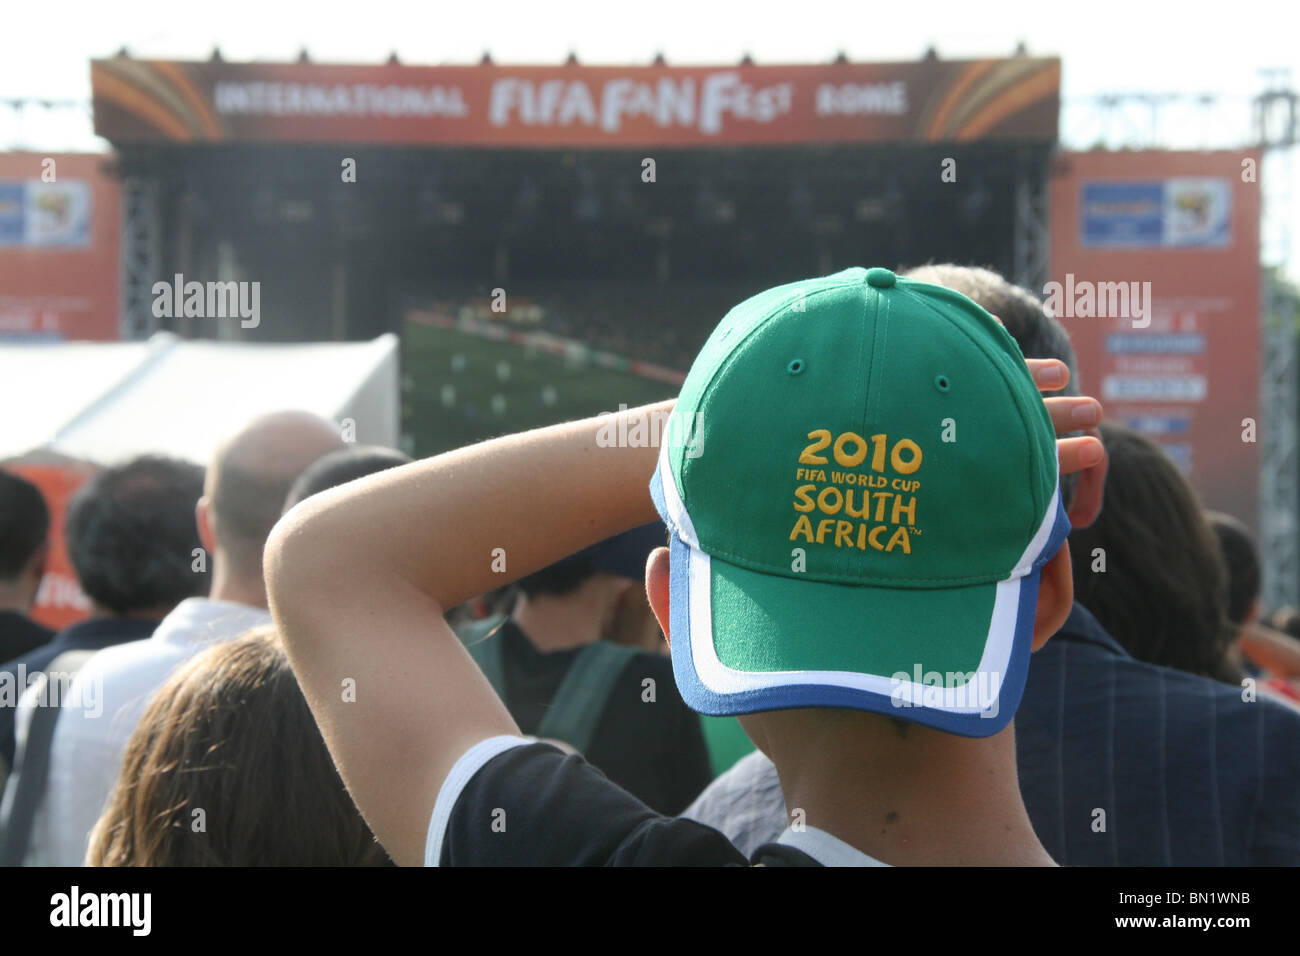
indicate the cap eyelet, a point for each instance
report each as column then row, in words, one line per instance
column 941, row 383
column 796, row 366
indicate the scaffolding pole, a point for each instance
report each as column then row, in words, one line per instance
column 1279, row 480
column 141, row 256
column 1030, row 232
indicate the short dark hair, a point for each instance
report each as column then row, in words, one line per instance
column 1163, row 594
column 562, row 577
column 1241, row 558
column 1023, row 315
column 24, row 524
column 622, row 554
column 339, row 467
column 131, row 535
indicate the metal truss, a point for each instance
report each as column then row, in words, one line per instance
column 1031, row 236
column 141, row 256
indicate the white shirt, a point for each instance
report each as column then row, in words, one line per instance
column 826, row 849
column 103, row 705
column 746, row 806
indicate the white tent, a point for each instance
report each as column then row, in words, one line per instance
column 106, row 402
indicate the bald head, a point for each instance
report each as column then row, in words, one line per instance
column 250, row 476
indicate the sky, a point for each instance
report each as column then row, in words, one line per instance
column 1170, row 47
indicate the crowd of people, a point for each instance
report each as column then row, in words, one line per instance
column 662, row 323
column 898, row 596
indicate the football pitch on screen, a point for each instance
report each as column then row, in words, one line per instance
column 459, row 388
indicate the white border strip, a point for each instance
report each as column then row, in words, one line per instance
column 470, row 763
column 999, row 643
column 673, row 500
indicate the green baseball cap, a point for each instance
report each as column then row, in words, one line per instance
column 862, row 504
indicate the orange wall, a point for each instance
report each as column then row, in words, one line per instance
column 1205, row 318
column 63, row 292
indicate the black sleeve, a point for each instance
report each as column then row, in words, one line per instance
column 8, row 744
column 687, row 767
column 653, row 748
column 535, row 806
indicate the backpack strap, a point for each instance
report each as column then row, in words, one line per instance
column 582, row 696
column 580, row 701
column 485, row 646
column 26, row 786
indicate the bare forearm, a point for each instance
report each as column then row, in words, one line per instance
column 359, row 578
column 448, row 525
column 1273, row 651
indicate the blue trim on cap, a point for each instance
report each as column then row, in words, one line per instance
column 696, row 695
column 706, row 701
column 1060, row 531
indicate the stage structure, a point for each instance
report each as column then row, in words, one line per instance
column 353, row 192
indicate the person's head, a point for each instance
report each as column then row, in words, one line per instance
column 1040, row 336
column 870, row 502
column 605, row 578
column 131, row 537
column 24, row 544
column 1149, row 569
column 248, row 480
column 228, row 768
column 341, row 466
column 1241, row 561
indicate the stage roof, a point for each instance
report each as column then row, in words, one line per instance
column 574, row 106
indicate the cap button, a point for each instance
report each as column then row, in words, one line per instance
column 881, row 278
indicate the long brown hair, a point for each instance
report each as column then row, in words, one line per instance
column 228, row 768
column 1163, row 594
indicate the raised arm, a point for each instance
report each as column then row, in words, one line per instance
column 359, row 579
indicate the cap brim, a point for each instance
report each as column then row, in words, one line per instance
column 954, row 659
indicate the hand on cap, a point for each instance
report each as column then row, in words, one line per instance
column 1069, row 414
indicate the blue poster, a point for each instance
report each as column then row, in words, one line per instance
column 1122, row 214
column 12, row 205
column 36, row 214
column 1184, row 212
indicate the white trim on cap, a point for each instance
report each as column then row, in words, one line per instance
column 1044, row 533
column 673, row 499
column 999, row 643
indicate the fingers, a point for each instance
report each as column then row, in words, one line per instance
column 1076, row 454
column 1069, row 415
column 1073, row 414
column 1049, row 374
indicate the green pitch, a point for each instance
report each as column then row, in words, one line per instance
column 458, row 389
